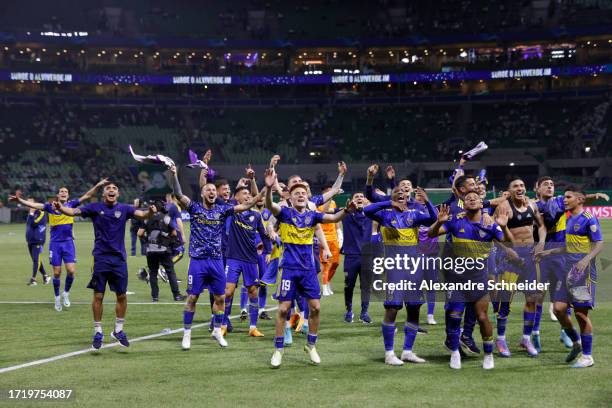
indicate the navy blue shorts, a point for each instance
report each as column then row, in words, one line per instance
column 249, row 271
column 206, row 273
column 111, row 270
column 62, row 251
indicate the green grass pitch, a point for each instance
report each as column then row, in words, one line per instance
column 157, row 372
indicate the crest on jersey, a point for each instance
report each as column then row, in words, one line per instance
column 117, row 214
column 576, row 228
column 252, row 218
column 593, row 228
column 409, row 222
column 308, row 219
column 393, row 222
column 102, row 212
column 216, row 216
column 519, row 216
column 482, row 233
column 294, row 219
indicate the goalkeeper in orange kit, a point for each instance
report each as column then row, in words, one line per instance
column 334, row 237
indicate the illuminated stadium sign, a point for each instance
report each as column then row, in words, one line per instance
column 322, row 79
column 40, row 76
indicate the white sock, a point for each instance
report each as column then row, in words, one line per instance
column 526, row 337
column 287, row 324
column 57, row 298
column 119, row 324
column 187, row 331
column 390, row 352
column 536, row 332
column 98, row 327
column 251, row 327
column 501, row 337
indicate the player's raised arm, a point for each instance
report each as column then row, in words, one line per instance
column 337, row 184
column 145, row 214
column 249, row 204
column 339, row 215
column 204, row 172
column 250, row 174
column 30, row 204
column 433, row 213
column 437, row 228
column 270, row 180
column 596, row 196
column 57, row 206
column 93, row 190
column 176, row 188
column 502, row 221
column 539, row 221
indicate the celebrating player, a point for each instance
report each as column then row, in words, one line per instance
column 584, row 243
column 206, row 265
column 36, row 235
column 61, row 245
column 399, row 230
column 297, row 231
column 110, row 260
column 471, row 240
column 522, row 215
column 358, row 230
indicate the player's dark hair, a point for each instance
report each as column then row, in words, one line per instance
column 461, row 180
column 357, row 192
column 63, row 187
column 221, row 182
column 513, row 178
column 239, row 189
column 575, row 189
column 543, row 179
column 108, row 183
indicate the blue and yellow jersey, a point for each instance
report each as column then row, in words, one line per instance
column 553, row 213
column 266, row 216
column 61, row 225
column 36, row 227
column 399, row 228
column 296, row 231
column 581, row 231
column 472, row 239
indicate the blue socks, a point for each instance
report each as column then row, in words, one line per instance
column 68, row 282
column 312, row 339
column 56, row 286
column 187, row 319
column 538, row 317
column 453, row 326
column 410, row 331
column 388, row 332
column 528, row 320
column 587, row 343
column 253, row 311
column 263, row 294
column 279, row 342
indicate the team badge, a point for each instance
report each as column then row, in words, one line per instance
column 117, row 214
column 393, row 222
column 294, row 219
column 216, row 216
column 519, row 217
column 409, row 222
column 593, row 228
column 308, row 219
column 101, row 212
column 252, row 218
column 576, row 228
column 482, row 233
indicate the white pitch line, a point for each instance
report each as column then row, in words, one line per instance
column 89, row 350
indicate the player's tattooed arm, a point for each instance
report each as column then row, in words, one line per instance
column 336, row 187
column 93, row 190
column 339, row 215
column 249, row 204
column 437, row 228
column 596, row 196
column 502, row 197
column 176, row 188
column 270, row 180
column 17, row 198
column 57, row 206
column 539, row 222
column 145, row 214
column 502, row 221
